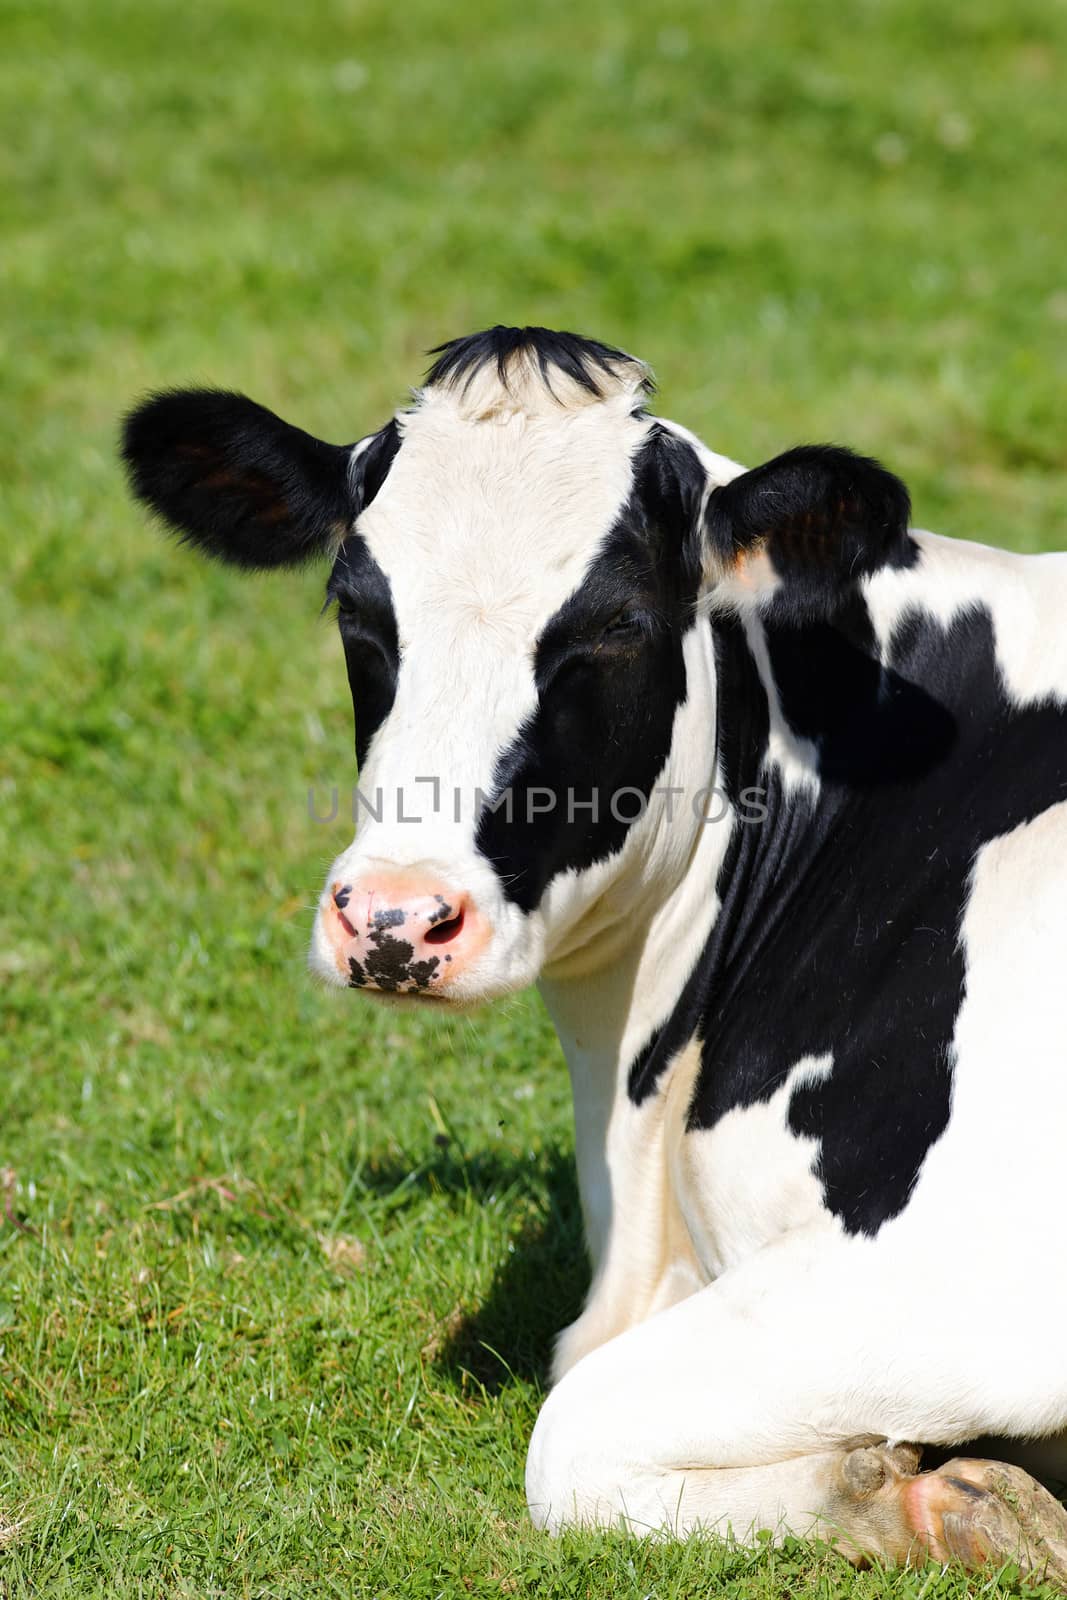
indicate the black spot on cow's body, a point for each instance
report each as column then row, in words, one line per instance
column 840, row 928
column 610, row 676
column 443, row 913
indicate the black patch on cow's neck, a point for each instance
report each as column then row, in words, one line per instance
column 743, row 717
column 873, row 725
column 608, row 687
column 839, row 929
column 586, row 362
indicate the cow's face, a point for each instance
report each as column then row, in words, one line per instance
column 518, row 563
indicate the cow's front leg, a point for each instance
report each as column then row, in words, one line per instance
column 758, row 1403
column 870, row 1502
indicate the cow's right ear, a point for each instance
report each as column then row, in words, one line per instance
column 798, row 533
column 239, row 483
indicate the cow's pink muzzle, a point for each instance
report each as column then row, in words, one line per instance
column 401, row 932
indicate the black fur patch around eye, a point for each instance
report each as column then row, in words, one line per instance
column 602, row 730
column 825, row 517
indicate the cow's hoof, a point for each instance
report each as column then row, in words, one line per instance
column 984, row 1513
column 864, row 1516
column 974, row 1513
column 875, row 1465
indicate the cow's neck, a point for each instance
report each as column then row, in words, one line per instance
column 641, row 1257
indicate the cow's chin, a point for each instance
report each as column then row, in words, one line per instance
column 439, row 1001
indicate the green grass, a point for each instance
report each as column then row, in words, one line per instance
column 277, row 1298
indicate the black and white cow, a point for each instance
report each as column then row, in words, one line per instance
column 769, row 794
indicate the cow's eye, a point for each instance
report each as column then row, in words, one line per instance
column 363, row 634
column 626, row 621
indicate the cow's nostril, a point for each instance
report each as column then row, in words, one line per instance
column 342, row 893
column 444, row 932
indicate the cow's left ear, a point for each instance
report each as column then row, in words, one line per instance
column 800, row 531
column 239, row 483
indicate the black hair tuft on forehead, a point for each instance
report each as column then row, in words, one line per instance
column 586, row 362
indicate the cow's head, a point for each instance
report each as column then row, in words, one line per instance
column 526, row 567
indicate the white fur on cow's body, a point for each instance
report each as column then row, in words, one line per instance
column 735, row 1336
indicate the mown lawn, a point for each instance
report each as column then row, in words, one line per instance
column 279, row 1271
